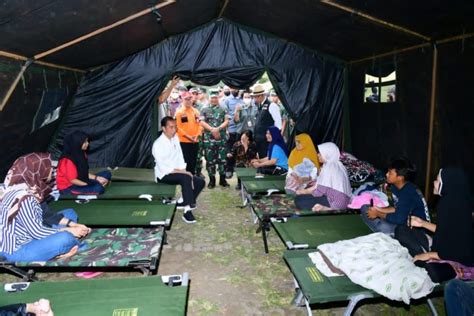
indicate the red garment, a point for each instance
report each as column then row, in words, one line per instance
column 67, row 171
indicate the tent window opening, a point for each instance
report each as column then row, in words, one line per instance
column 380, row 89
column 49, row 109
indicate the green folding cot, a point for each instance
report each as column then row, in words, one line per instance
column 312, row 231
column 313, row 288
column 130, row 191
column 135, row 296
column 111, row 248
column 278, row 208
column 119, row 212
column 251, row 186
column 129, row 174
column 245, row 172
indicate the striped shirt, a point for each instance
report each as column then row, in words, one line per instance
column 26, row 226
column 337, row 200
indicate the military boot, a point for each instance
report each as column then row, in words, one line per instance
column 223, row 182
column 212, row 182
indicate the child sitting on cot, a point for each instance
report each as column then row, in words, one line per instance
column 407, row 198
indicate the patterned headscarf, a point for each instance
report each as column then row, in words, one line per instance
column 31, row 170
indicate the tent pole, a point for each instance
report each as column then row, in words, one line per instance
column 23, row 58
column 14, row 84
column 376, row 20
column 103, row 29
column 443, row 41
column 223, row 8
column 434, row 78
column 455, row 38
column 397, row 51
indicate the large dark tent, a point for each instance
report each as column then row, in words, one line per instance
column 101, row 65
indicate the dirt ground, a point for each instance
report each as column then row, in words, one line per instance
column 229, row 271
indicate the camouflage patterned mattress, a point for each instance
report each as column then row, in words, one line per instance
column 284, row 206
column 113, row 247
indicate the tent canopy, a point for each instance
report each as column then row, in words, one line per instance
column 346, row 29
column 113, row 105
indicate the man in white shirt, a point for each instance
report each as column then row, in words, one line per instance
column 170, row 168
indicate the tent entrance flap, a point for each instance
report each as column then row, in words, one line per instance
column 123, row 93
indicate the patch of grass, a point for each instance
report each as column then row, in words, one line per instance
column 204, row 307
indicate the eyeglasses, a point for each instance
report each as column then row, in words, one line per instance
column 188, row 99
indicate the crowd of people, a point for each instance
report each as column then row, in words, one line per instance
column 243, row 129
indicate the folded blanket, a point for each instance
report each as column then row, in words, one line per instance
column 378, row 262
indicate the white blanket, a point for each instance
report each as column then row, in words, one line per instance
column 378, row 262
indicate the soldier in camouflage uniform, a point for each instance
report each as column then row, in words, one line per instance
column 214, row 119
column 200, row 104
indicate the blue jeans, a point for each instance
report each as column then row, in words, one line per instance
column 93, row 187
column 69, row 213
column 377, row 225
column 43, row 249
column 459, row 298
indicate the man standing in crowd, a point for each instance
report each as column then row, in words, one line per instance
column 245, row 114
column 230, row 103
column 284, row 115
column 268, row 115
column 200, row 104
column 189, row 129
column 214, row 120
column 170, row 168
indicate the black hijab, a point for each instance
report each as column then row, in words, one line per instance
column 72, row 150
column 453, row 239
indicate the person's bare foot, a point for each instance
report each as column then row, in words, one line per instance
column 40, row 308
column 319, row 208
column 68, row 254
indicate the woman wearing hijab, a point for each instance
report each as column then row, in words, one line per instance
column 73, row 175
column 452, row 235
column 332, row 189
column 23, row 235
column 303, row 164
column 276, row 161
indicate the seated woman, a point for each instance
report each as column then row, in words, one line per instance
column 303, row 164
column 73, row 175
column 332, row 190
column 453, row 233
column 276, row 162
column 243, row 152
column 24, row 236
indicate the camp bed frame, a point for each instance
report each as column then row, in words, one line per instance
column 130, row 191
column 280, row 212
column 155, row 295
column 103, row 252
column 312, row 287
column 117, row 213
column 129, row 174
column 267, row 185
column 312, row 231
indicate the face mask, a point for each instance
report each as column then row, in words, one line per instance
column 247, row 101
column 226, row 93
column 235, row 93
